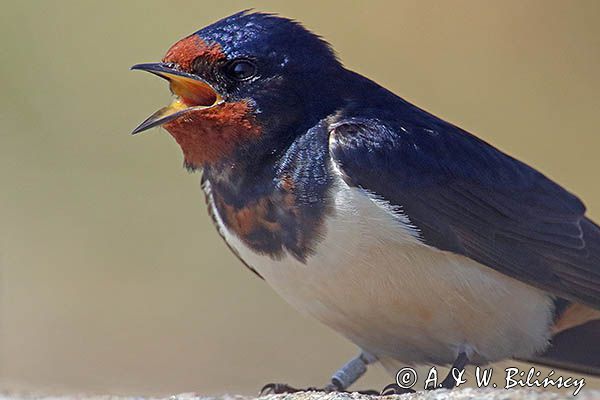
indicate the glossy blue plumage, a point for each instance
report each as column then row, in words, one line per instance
column 263, row 36
column 462, row 194
column 397, row 229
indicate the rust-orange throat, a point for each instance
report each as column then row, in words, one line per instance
column 207, row 128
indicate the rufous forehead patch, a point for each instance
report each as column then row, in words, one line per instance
column 185, row 51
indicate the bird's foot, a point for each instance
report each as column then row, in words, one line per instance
column 281, row 388
column 394, row 388
column 448, row 383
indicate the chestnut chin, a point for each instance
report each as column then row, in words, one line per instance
column 212, row 135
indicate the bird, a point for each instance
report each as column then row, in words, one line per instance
column 417, row 241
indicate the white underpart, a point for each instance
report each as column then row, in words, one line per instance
column 374, row 281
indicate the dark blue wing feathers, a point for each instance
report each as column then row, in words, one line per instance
column 467, row 197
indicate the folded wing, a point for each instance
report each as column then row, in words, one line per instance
column 469, row 198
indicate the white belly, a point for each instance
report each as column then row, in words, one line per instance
column 376, row 283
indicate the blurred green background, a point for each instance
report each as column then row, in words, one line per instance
column 112, row 278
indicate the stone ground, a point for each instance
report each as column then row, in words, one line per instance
column 457, row 394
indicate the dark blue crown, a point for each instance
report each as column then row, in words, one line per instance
column 269, row 36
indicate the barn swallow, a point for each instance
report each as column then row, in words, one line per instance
column 411, row 237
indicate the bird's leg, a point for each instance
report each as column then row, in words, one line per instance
column 394, row 388
column 449, row 381
column 351, row 371
column 340, row 381
column 459, row 364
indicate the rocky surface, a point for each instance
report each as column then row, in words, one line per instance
column 457, row 394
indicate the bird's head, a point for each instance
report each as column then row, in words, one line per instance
column 243, row 86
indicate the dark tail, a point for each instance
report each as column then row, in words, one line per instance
column 575, row 345
column 576, row 349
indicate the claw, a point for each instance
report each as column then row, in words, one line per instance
column 393, row 388
column 282, row 388
column 277, row 388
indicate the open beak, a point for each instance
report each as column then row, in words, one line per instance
column 192, row 93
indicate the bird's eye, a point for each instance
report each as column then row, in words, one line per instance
column 241, row 70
